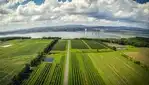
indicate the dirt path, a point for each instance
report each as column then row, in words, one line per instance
column 86, row 44
column 66, row 73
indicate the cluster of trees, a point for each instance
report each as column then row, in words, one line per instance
column 136, row 62
column 129, row 58
column 25, row 72
column 13, row 38
column 136, row 41
column 85, row 39
column 50, row 46
column 51, row 38
column 41, row 56
column 36, row 61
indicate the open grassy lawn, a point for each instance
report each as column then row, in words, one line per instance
column 22, row 47
column 94, row 44
column 78, row 44
column 60, row 46
column 15, row 53
column 117, row 70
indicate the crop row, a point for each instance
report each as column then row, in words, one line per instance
column 39, row 75
column 78, row 44
column 47, row 74
column 91, row 72
column 76, row 75
column 57, row 76
column 94, row 44
column 60, row 46
column 43, row 74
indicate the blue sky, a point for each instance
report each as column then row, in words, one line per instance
column 39, row 2
column 142, row 1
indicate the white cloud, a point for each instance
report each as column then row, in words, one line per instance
column 29, row 9
column 99, row 11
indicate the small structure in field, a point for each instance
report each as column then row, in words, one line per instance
column 48, row 59
column 5, row 46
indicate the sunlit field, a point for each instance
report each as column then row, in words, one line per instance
column 73, row 62
column 15, row 53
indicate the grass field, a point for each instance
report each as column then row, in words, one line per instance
column 78, row 44
column 94, row 44
column 15, row 53
column 60, row 46
column 117, row 70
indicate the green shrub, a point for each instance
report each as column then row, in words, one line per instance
column 137, row 62
column 114, row 48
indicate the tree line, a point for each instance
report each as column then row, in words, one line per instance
column 51, row 38
column 26, row 71
column 13, row 38
column 135, row 41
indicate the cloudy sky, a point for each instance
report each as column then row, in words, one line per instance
column 23, row 14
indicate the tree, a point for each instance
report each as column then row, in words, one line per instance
column 15, row 81
column 114, row 48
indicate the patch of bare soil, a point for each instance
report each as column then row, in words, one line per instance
column 138, row 56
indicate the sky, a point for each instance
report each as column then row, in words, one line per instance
column 23, row 14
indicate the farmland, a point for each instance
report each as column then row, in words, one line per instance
column 78, row 44
column 94, row 44
column 142, row 55
column 16, row 54
column 60, row 46
column 105, row 68
column 83, row 72
column 48, row 73
column 117, row 70
column 74, row 62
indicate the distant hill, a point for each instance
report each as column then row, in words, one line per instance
column 74, row 28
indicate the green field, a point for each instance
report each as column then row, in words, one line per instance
column 94, row 44
column 19, row 52
column 78, row 44
column 48, row 73
column 82, row 71
column 87, row 62
column 107, row 68
column 60, row 46
column 117, row 70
